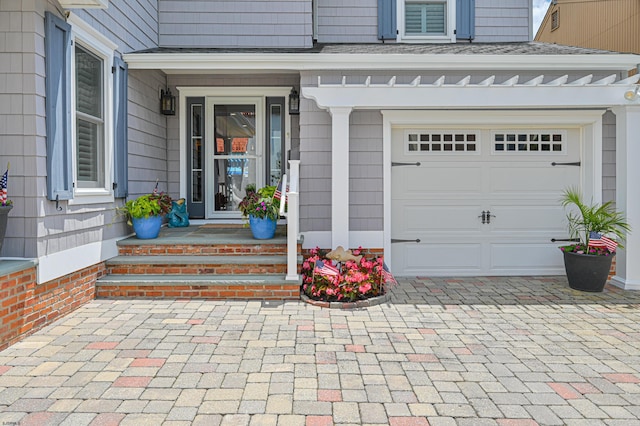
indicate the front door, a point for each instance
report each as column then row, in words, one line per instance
column 235, row 145
column 232, row 142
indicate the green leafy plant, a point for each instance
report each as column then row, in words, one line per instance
column 260, row 203
column 602, row 219
column 146, row 205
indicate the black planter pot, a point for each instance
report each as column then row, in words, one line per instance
column 4, row 213
column 586, row 272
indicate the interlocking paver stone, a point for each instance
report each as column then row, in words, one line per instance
column 447, row 351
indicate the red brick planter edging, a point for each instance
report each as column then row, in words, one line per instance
column 378, row 300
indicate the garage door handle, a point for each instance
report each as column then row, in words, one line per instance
column 406, row 164
column 576, row 163
column 572, row 240
column 394, row 240
column 489, row 216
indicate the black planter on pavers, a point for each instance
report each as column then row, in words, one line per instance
column 4, row 216
column 586, row 272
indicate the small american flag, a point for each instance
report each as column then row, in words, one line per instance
column 598, row 240
column 278, row 194
column 325, row 269
column 3, row 187
column 387, row 275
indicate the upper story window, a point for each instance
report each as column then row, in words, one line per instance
column 426, row 20
column 555, row 20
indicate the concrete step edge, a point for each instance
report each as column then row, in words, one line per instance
column 200, row 260
column 199, row 280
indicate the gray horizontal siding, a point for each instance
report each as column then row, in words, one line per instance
column 365, row 171
column 355, row 21
column 147, row 134
column 131, row 24
column 347, row 21
column 235, row 23
column 503, row 21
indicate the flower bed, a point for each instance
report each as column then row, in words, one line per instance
column 345, row 282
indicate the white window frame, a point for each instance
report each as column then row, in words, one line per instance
column 450, row 25
column 99, row 45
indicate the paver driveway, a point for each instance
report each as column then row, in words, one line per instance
column 505, row 351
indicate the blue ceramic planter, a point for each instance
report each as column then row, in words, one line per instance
column 262, row 229
column 147, row 228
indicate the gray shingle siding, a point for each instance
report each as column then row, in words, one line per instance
column 355, row 21
column 235, row 23
column 36, row 228
column 503, row 21
column 147, row 134
column 132, row 24
column 351, row 21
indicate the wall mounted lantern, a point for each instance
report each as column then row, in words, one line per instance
column 167, row 102
column 294, row 102
column 632, row 95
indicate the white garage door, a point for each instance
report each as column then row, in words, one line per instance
column 480, row 202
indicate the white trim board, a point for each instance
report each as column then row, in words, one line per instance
column 268, row 62
column 66, row 262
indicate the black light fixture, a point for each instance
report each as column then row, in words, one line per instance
column 167, row 102
column 294, row 102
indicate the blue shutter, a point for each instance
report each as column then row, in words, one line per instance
column 58, row 108
column 466, row 19
column 387, row 22
column 120, row 136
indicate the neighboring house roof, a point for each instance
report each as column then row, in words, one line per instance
column 462, row 56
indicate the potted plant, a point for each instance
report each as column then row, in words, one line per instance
column 145, row 213
column 262, row 210
column 588, row 261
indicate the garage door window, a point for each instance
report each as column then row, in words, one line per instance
column 529, row 142
column 423, row 143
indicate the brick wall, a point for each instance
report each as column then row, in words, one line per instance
column 26, row 307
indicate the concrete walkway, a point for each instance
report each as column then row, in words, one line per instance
column 481, row 351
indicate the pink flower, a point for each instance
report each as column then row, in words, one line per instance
column 364, row 288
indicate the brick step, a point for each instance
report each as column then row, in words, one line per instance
column 202, row 249
column 247, row 286
column 196, row 265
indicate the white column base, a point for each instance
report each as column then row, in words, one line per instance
column 625, row 284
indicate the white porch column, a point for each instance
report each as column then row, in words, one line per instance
column 340, row 176
column 627, row 194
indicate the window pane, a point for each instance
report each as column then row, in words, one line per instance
column 89, row 119
column 88, row 83
column 88, row 152
column 425, row 18
column 275, row 118
column 235, row 129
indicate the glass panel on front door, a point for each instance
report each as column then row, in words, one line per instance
column 235, row 154
column 275, row 139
